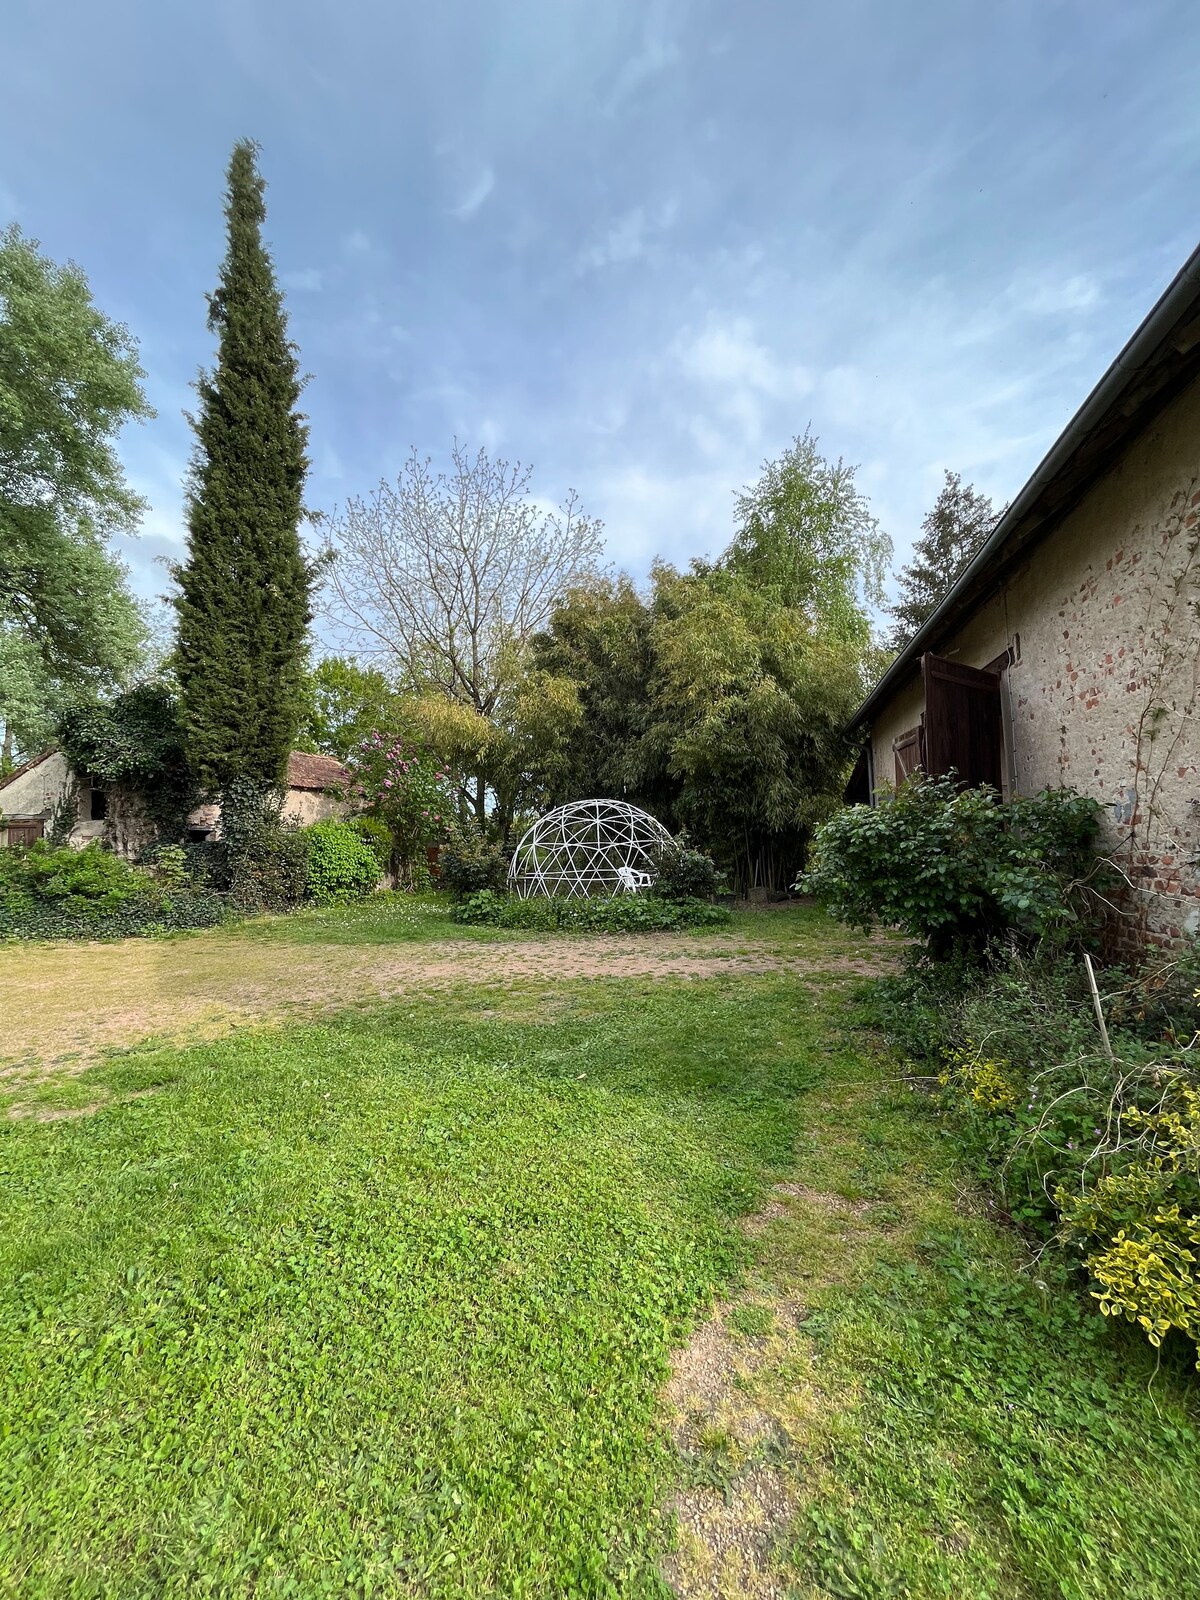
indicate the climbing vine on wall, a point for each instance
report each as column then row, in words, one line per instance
column 133, row 747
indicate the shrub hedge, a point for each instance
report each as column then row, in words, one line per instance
column 642, row 913
column 469, row 862
column 54, row 892
column 961, row 867
column 683, row 873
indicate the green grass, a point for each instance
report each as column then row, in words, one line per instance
column 383, row 1307
column 952, row 1417
column 379, row 1307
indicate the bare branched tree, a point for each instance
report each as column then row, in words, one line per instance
column 449, row 574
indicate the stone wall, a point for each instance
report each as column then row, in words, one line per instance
column 1103, row 692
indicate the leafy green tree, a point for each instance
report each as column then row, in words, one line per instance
column 601, row 638
column 28, row 699
column 244, row 600
column 951, row 533
column 718, row 703
column 517, row 755
column 750, row 699
column 805, row 532
column 69, row 381
column 344, row 704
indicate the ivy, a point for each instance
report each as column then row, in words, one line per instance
column 135, row 744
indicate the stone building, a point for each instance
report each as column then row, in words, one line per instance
column 1068, row 652
column 33, row 795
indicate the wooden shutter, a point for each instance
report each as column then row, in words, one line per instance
column 906, row 747
column 963, row 729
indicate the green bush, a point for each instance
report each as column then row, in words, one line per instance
column 169, row 863
column 49, row 892
column 641, row 913
column 341, row 864
column 72, row 880
column 961, row 867
column 682, row 873
column 469, row 862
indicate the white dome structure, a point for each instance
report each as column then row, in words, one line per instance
column 587, row 849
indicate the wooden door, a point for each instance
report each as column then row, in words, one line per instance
column 963, row 728
column 24, row 832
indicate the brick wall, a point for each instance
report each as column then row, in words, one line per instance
column 1104, row 693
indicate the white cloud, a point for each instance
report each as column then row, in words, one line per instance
column 739, row 378
column 307, row 281
column 1059, row 296
column 632, row 237
column 476, row 192
column 356, row 243
column 658, row 53
column 648, row 512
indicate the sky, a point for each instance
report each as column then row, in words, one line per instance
column 639, row 244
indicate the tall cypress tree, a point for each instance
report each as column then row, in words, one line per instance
column 245, row 590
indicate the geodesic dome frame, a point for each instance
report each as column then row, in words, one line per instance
column 586, row 849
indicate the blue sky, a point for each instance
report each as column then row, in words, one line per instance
column 640, row 245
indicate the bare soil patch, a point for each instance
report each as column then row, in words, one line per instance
column 66, row 1004
column 736, row 1396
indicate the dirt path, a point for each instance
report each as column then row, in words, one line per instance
column 67, row 1004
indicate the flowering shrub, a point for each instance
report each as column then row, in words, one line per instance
column 398, row 781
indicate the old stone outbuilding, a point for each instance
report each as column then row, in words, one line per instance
column 1068, row 652
column 45, row 790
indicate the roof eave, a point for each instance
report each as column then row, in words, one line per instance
column 1180, row 296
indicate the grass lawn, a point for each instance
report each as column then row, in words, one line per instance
column 385, row 1305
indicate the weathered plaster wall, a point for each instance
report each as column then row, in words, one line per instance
column 302, row 806
column 307, row 806
column 37, row 792
column 1106, row 689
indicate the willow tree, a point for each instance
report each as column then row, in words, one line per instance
column 245, row 590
